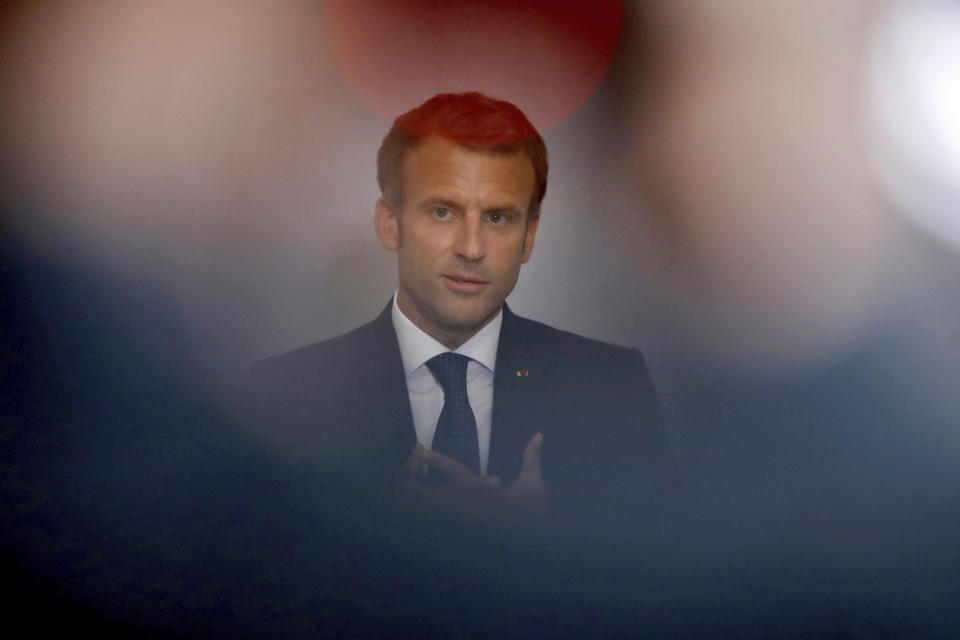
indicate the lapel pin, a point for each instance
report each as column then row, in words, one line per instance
column 522, row 373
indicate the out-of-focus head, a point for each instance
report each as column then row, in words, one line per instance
column 472, row 120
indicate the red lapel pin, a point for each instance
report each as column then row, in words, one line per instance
column 522, row 373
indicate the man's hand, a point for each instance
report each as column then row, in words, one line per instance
column 468, row 494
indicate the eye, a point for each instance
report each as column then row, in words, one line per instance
column 496, row 217
column 441, row 213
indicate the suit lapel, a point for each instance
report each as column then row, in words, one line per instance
column 389, row 402
column 514, row 391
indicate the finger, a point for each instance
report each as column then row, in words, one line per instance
column 473, row 481
column 531, row 463
column 468, row 489
column 413, row 488
column 446, row 467
column 415, row 463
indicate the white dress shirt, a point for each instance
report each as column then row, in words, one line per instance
column 426, row 394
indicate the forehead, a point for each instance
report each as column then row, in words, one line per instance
column 441, row 168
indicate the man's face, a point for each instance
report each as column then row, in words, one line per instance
column 461, row 236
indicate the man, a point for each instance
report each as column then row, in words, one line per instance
column 479, row 406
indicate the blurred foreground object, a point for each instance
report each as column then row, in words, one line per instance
column 133, row 119
column 548, row 56
column 178, row 143
column 768, row 232
column 914, row 101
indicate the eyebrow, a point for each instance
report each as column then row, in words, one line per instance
column 450, row 204
column 443, row 202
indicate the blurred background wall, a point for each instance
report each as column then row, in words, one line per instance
column 711, row 196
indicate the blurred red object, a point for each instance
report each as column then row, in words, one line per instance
column 548, row 56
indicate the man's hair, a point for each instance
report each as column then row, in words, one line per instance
column 472, row 120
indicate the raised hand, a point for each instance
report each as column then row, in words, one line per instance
column 468, row 494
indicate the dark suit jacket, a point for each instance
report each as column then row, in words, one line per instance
column 344, row 401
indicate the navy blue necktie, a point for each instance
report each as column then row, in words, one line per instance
column 456, row 434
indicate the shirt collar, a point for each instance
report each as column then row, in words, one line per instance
column 416, row 347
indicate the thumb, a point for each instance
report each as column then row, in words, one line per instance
column 531, row 456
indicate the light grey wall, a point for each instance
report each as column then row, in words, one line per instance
column 709, row 203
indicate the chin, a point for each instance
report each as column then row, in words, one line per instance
column 466, row 321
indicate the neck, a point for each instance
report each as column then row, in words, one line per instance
column 450, row 337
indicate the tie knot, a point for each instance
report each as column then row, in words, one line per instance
column 450, row 370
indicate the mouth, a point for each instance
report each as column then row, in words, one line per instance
column 465, row 279
column 464, row 284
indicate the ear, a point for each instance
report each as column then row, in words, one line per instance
column 528, row 238
column 387, row 226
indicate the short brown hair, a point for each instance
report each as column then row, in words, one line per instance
column 472, row 120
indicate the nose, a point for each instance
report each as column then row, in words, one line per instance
column 469, row 242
